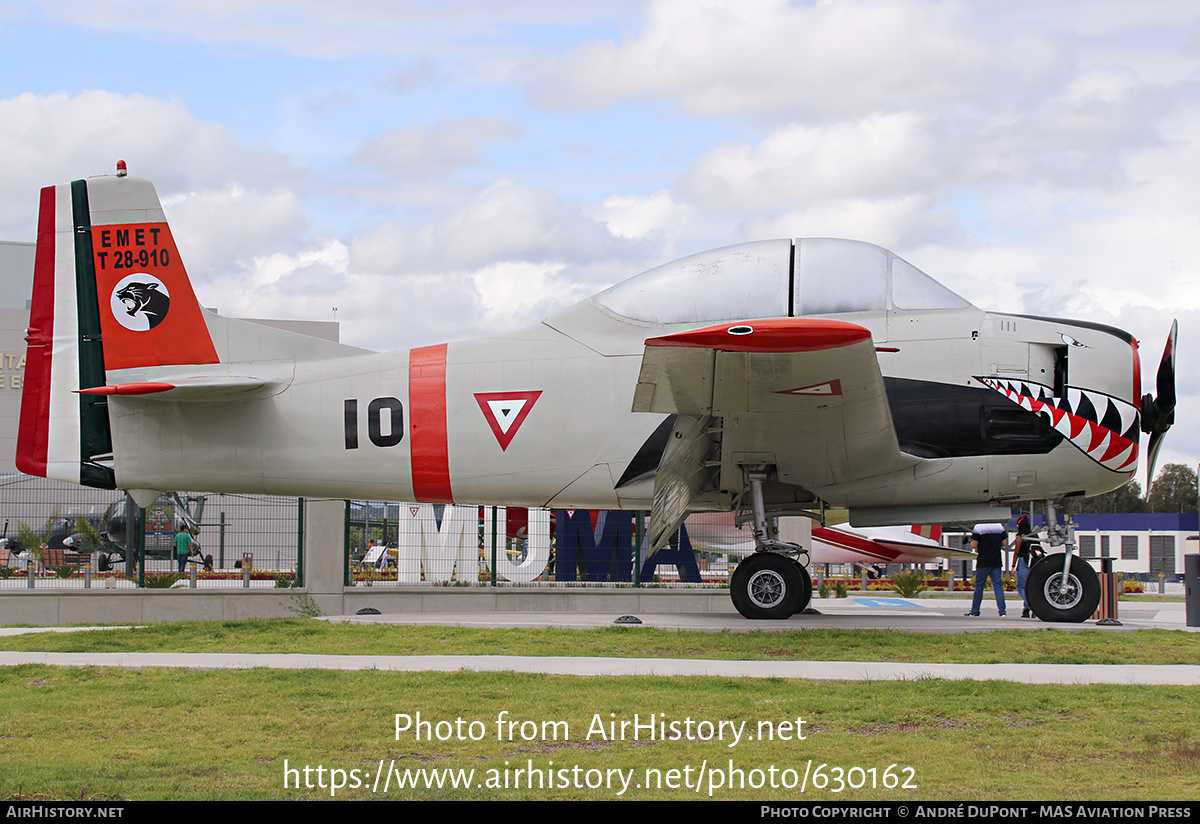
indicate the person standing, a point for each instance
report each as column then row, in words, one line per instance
column 988, row 541
column 1021, row 560
column 183, row 547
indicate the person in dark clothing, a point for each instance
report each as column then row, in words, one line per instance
column 1022, row 560
column 988, row 541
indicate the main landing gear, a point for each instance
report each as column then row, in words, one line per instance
column 771, row 584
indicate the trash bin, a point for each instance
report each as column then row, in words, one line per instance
column 1191, row 587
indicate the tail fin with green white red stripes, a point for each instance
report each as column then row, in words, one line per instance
column 109, row 293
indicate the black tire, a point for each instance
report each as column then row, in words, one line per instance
column 1044, row 584
column 208, row 563
column 767, row 586
column 806, row 590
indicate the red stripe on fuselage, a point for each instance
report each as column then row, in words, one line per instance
column 33, row 436
column 429, row 443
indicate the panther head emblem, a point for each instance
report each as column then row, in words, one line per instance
column 140, row 302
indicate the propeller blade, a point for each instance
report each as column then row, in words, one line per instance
column 1159, row 413
column 1166, row 372
column 1152, row 448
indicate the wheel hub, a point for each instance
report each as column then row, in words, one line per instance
column 766, row 588
column 1063, row 595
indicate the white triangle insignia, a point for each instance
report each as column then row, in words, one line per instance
column 506, row 412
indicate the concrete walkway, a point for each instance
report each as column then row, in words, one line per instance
column 933, row 615
column 822, row 671
column 939, row 616
column 812, row 670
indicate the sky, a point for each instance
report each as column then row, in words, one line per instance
column 426, row 171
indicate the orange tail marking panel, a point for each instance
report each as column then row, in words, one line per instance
column 149, row 315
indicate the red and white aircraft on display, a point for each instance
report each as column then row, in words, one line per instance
column 775, row 378
column 830, row 544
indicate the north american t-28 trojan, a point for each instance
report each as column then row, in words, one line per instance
column 771, row 378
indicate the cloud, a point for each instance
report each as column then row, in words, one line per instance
column 506, row 221
column 216, row 227
column 422, row 74
column 877, row 156
column 721, row 57
column 328, row 31
column 414, row 150
column 82, row 135
column 303, row 285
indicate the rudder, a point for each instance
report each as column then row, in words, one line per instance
column 109, row 293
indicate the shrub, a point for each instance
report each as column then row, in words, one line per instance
column 162, row 580
column 909, row 584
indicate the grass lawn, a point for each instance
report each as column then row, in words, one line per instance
column 159, row 734
column 171, row 734
column 302, row 635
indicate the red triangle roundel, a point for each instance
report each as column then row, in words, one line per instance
column 506, row 411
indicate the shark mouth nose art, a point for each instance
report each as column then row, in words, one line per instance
column 1103, row 428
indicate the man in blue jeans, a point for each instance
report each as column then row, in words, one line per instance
column 183, row 547
column 988, row 541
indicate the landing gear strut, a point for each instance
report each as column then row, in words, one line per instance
column 771, row 584
column 1062, row 587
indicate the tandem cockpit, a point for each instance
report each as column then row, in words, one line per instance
column 778, row 278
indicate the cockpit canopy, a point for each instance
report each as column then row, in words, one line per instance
column 758, row 280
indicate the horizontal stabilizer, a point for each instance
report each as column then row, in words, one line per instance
column 185, row 389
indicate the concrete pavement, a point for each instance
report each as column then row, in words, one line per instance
column 811, row 670
column 936, row 615
column 913, row 615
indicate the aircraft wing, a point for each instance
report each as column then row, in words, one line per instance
column 876, row 546
column 804, row 394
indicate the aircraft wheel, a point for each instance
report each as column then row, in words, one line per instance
column 1050, row 601
column 208, row 563
column 806, row 590
column 105, row 563
column 769, row 586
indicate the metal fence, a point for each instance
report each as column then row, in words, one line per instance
column 397, row 543
column 232, row 527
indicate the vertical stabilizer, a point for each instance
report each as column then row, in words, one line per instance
column 109, row 293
